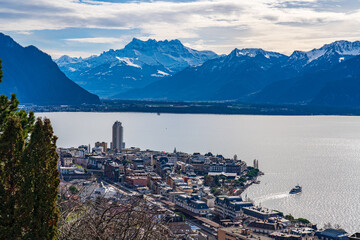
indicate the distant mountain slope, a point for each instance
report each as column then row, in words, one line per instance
column 235, row 76
column 315, row 71
column 343, row 87
column 35, row 78
column 137, row 65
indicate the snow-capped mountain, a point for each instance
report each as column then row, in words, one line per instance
column 234, row 76
column 328, row 55
column 136, row 65
column 253, row 52
column 343, row 48
column 250, row 75
column 259, row 76
column 65, row 60
column 311, row 72
column 173, row 55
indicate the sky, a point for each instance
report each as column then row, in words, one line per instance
column 87, row 27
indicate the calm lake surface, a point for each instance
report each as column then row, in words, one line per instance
column 321, row 153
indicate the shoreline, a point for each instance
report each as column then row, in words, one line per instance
column 205, row 113
column 216, row 108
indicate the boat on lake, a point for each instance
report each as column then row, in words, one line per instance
column 296, row 189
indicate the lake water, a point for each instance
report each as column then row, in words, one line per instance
column 321, row 153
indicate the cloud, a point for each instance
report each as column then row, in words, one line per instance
column 95, row 40
column 24, row 32
column 57, row 54
column 221, row 25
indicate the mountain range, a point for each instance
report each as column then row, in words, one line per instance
column 317, row 69
column 167, row 70
column 36, row 79
column 257, row 76
column 235, row 76
column 138, row 64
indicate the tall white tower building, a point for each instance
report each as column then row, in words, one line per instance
column 117, row 136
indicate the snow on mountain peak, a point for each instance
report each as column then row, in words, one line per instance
column 65, row 60
column 343, row 48
column 136, row 65
column 138, row 44
column 298, row 55
column 313, row 55
column 253, row 52
column 160, row 74
column 171, row 55
column 128, row 62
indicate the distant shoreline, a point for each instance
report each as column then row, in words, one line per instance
column 218, row 108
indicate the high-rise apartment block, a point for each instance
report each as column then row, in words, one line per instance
column 117, row 137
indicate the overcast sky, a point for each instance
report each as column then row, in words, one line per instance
column 86, row 27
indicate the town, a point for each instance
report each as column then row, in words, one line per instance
column 200, row 195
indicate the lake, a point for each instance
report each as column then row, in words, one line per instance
column 321, row 153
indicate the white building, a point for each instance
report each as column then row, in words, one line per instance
column 230, row 206
column 97, row 149
column 192, row 204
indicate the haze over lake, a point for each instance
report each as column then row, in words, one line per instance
column 321, row 153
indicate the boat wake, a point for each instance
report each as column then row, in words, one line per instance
column 271, row 197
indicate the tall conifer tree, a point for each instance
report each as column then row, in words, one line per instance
column 29, row 177
column 11, row 153
column 41, row 162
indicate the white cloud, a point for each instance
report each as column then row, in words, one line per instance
column 220, row 24
column 56, row 54
column 24, row 32
column 95, row 40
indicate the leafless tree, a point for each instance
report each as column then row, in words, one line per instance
column 131, row 217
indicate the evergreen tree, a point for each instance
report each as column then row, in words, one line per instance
column 29, row 178
column 11, row 150
column 41, row 189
